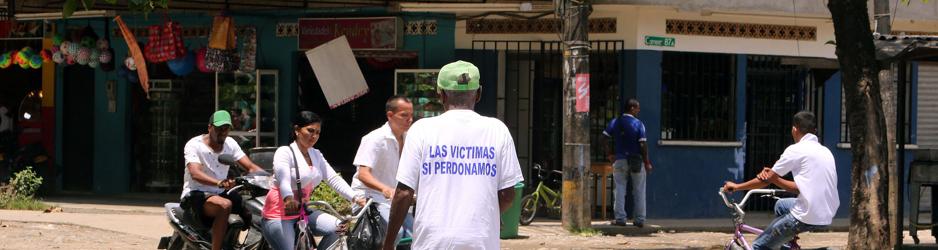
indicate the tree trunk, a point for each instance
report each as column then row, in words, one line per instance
column 868, row 210
column 888, row 91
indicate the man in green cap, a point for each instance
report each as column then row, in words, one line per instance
column 462, row 165
column 205, row 179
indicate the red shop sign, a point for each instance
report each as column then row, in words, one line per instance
column 368, row 33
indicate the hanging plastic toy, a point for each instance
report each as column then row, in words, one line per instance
column 46, row 55
column 131, row 65
column 73, row 49
column 5, row 60
column 35, row 61
column 105, row 56
column 57, row 40
column 88, row 42
column 58, row 57
column 94, row 56
column 83, row 55
column 103, row 44
column 64, row 47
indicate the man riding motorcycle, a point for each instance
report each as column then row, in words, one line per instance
column 205, row 178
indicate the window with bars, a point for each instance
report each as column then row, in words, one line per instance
column 698, row 101
column 845, row 127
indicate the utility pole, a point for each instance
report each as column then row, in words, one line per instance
column 575, row 212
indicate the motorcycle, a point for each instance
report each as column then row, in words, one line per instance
column 189, row 233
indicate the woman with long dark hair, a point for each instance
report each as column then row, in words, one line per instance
column 282, row 208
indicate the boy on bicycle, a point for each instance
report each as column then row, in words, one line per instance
column 815, row 176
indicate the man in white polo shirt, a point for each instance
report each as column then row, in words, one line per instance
column 378, row 156
column 815, row 174
column 463, row 168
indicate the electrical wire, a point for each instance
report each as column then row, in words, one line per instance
column 794, row 16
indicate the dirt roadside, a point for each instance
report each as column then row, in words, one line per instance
column 44, row 235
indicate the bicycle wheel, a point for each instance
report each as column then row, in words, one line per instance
column 528, row 209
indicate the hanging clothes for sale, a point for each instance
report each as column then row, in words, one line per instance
column 249, row 49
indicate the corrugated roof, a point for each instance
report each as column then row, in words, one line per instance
column 912, row 47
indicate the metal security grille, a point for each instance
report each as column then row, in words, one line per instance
column 530, row 94
column 530, row 98
column 927, row 106
column 774, row 95
column 698, row 101
column 844, row 126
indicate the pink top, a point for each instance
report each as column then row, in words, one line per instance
column 273, row 206
column 284, row 181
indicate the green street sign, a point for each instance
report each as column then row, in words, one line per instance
column 659, row 41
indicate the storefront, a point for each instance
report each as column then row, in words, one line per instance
column 25, row 121
column 131, row 140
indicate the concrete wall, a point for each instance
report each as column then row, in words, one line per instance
column 634, row 22
column 918, row 10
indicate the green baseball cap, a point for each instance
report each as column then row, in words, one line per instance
column 221, row 118
column 458, row 75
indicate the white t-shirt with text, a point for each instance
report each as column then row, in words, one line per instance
column 457, row 162
column 815, row 173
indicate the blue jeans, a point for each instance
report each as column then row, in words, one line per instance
column 621, row 174
column 783, row 228
column 281, row 234
column 385, row 210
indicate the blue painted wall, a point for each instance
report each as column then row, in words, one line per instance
column 843, row 157
column 686, row 178
column 112, row 163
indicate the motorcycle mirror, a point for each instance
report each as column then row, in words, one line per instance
column 227, row 159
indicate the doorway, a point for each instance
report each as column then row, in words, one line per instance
column 78, row 128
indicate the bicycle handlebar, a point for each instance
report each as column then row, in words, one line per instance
column 738, row 206
column 541, row 169
column 332, row 210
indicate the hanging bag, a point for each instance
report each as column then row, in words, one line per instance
column 165, row 42
column 223, row 33
column 369, row 230
column 221, row 54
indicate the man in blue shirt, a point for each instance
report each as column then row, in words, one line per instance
column 630, row 161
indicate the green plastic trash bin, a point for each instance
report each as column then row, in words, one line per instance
column 511, row 216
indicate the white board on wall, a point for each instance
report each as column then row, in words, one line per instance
column 337, row 71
